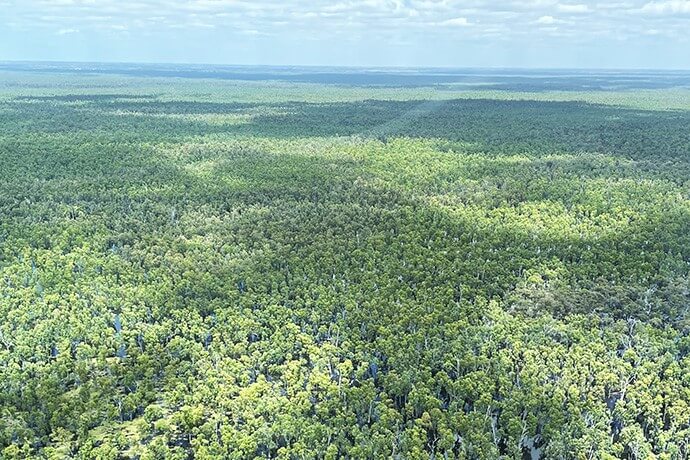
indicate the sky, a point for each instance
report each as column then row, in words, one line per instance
column 411, row 33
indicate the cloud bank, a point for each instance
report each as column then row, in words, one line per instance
column 263, row 30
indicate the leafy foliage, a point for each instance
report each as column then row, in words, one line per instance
column 302, row 271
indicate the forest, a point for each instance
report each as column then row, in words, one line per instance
column 279, row 268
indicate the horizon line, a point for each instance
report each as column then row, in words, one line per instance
column 347, row 66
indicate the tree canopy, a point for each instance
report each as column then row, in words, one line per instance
column 191, row 269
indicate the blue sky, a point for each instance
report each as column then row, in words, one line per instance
column 457, row 33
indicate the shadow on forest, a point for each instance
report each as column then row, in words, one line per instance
column 303, row 213
column 499, row 126
column 301, row 193
column 315, row 207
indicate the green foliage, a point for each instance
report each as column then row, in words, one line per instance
column 297, row 271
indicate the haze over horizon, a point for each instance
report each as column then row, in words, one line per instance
column 18, row 64
column 548, row 34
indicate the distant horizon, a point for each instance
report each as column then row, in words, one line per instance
column 341, row 66
column 446, row 78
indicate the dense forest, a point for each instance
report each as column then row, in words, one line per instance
column 197, row 268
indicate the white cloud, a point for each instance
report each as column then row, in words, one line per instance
column 532, row 4
column 615, row 6
column 321, row 20
column 547, row 20
column 254, row 33
column 71, row 2
column 666, row 7
column 456, row 22
column 573, row 8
